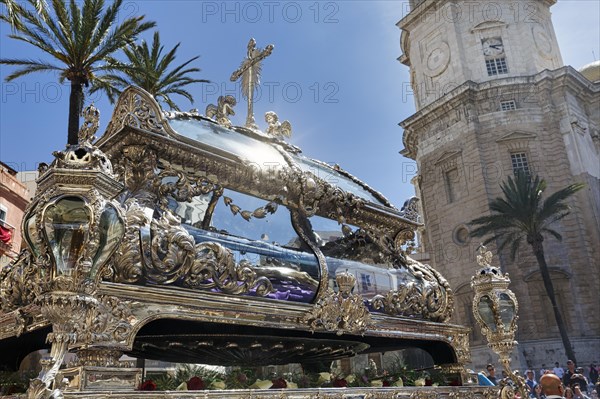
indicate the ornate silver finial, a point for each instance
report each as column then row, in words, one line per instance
column 91, row 122
column 484, row 259
column 220, row 112
column 249, row 71
column 276, row 128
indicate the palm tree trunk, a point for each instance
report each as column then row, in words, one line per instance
column 75, row 104
column 538, row 250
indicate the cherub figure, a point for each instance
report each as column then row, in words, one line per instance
column 220, row 112
column 485, row 257
column 276, row 128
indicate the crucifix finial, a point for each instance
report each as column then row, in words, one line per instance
column 249, row 71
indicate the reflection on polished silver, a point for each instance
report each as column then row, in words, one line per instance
column 276, row 128
column 342, row 311
column 221, row 112
column 495, row 308
column 249, row 71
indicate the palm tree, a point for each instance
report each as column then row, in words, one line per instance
column 149, row 69
column 80, row 39
column 522, row 215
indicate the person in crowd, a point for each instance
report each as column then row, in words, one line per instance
column 578, row 394
column 537, row 392
column 552, row 386
column 579, row 379
column 543, row 370
column 593, row 374
column 569, row 393
column 530, row 381
column 491, row 371
column 566, row 378
column 559, row 371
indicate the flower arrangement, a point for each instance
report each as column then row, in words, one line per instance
column 200, row 378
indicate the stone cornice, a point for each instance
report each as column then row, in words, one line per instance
column 426, row 5
column 565, row 77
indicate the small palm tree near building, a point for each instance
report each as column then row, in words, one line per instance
column 522, row 215
column 148, row 68
column 78, row 39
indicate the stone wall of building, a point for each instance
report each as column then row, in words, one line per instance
column 466, row 141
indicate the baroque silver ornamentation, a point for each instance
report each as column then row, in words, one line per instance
column 424, row 395
column 343, row 311
column 214, row 267
column 258, row 213
column 133, row 109
column 410, row 209
column 91, row 122
column 19, row 283
column 429, row 296
column 176, row 258
column 126, row 266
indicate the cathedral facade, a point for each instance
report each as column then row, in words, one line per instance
column 492, row 97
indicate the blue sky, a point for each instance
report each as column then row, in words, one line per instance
column 333, row 74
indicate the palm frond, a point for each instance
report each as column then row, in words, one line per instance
column 520, row 212
column 28, row 66
column 556, row 202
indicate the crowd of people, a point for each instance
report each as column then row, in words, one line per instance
column 557, row 382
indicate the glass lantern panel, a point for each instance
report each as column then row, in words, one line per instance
column 67, row 224
column 485, row 309
column 507, row 310
column 111, row 229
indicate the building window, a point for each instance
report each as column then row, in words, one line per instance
column 508, row 105
column 461, row 235
column 451, row 178
column 519, row 162
column 365, row 280
column 496, row 66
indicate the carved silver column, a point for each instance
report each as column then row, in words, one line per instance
column 495, row 308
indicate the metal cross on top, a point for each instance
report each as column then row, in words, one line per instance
column 250, row 70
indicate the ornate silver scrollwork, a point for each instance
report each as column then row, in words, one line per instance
column 183, row 189
column 221, row 112
column 126, row 266
column 343, row 311
column 429, row 297
column 136, row 167
column 19, row 283
column 460, row 343
column 175, row 258
column 214, row 267
column 134, row 109
column 91, row 122
column 172, row 250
